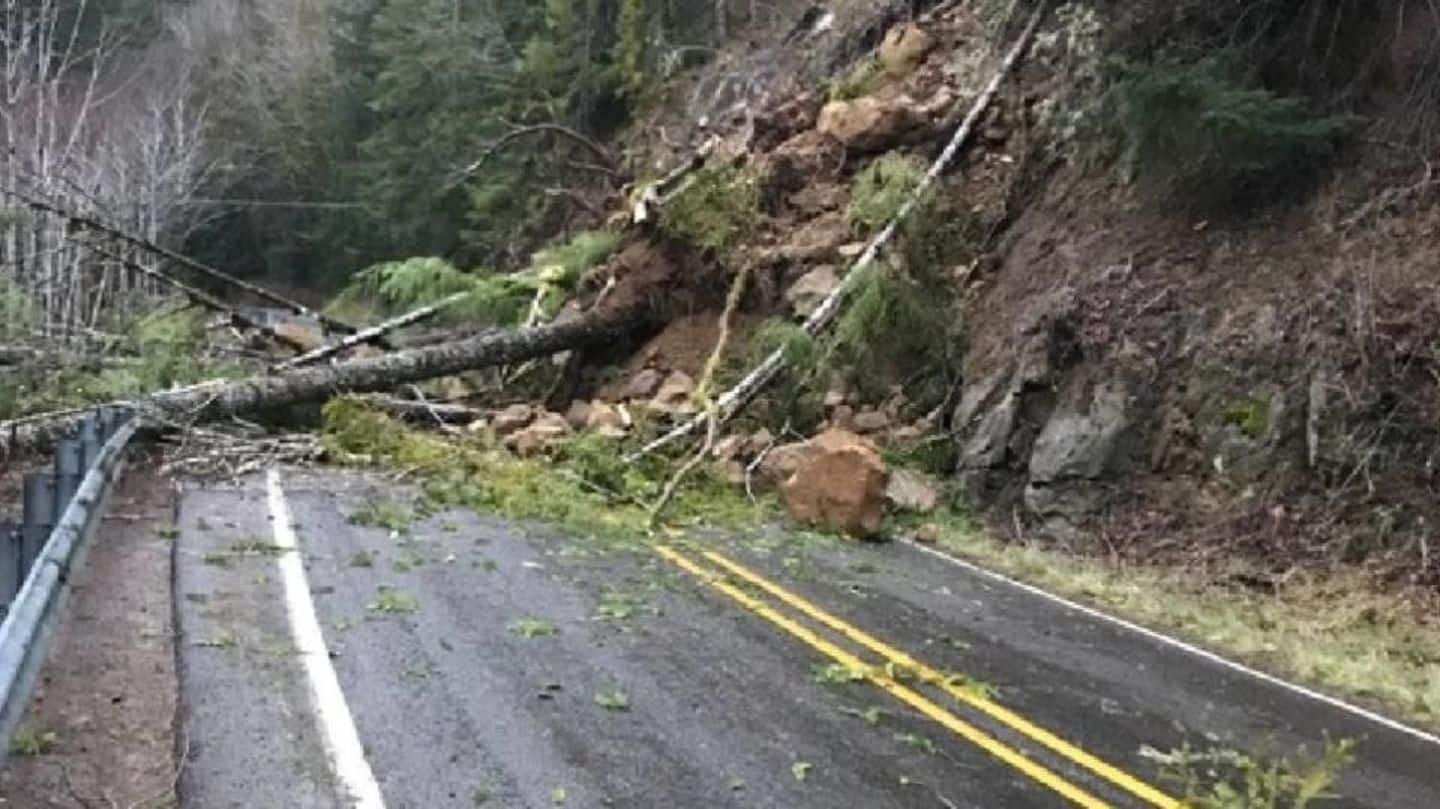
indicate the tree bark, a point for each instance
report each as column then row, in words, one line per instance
column 220, row 399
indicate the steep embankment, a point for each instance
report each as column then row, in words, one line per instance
column 1198, row 305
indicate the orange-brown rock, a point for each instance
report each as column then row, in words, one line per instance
column 546, row 429
column 839, row 483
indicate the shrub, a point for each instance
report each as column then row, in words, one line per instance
column 880, row 189
column 718, row 209
column 860, row 80
column 1191, row 130
column 1228, row 779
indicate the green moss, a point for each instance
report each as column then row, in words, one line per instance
column 718, row 209
column 1251, row 416
column 860, row 80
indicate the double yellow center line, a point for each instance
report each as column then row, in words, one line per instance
column 886, row 681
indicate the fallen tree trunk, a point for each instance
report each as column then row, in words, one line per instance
column 366, row 335
column 222, row 398
column 738, row 396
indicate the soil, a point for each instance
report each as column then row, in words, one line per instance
column 108, row 688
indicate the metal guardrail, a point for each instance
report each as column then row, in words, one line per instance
column 61, row 511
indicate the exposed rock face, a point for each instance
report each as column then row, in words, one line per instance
column 867, row 125
column 1073, row 456
column 805, row 295
column 840, row 483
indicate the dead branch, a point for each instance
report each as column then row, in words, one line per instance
column 738, row 396
column 370, row 334
column 198, row 296
column 508, row 138
column 654, row 196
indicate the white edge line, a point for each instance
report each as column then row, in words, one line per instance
column 1179, row 644
column 337, row 726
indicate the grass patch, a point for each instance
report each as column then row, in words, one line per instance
column 390, row 600
column 386, row 514
column 1228, row 779
column 1337, row 633
column 255, row 546
column 864, row 78
column 530, row 627
column 32, row 741
column 613, row 699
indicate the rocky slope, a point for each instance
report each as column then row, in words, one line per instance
column 1137, row 372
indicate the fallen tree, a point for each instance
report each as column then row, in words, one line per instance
column 219, row 399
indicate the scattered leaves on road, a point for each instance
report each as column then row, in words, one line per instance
column 32, row 741
column 386, row 514
column 617, row 606
column 871, row 715
column 362, row 559
column 801, row 770
column 917, row 741
column 531, row 627
column 835, row 673
column 613, row 699
column 391, row 600
column 168, row 532
column 557, row 795
column 255, row 546
column 224, row 640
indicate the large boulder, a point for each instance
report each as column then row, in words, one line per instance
column 839, row 483
column 869, row 124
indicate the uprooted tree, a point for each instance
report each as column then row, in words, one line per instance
column 219, row 399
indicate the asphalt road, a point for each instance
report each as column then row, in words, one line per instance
column 469, row 662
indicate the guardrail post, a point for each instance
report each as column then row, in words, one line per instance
column 40, row 514
column 69, row 471
column 9, row 565
column 89, row 438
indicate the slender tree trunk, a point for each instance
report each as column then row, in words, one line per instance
column 221, row 399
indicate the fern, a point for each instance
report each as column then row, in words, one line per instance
column 502, row 299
